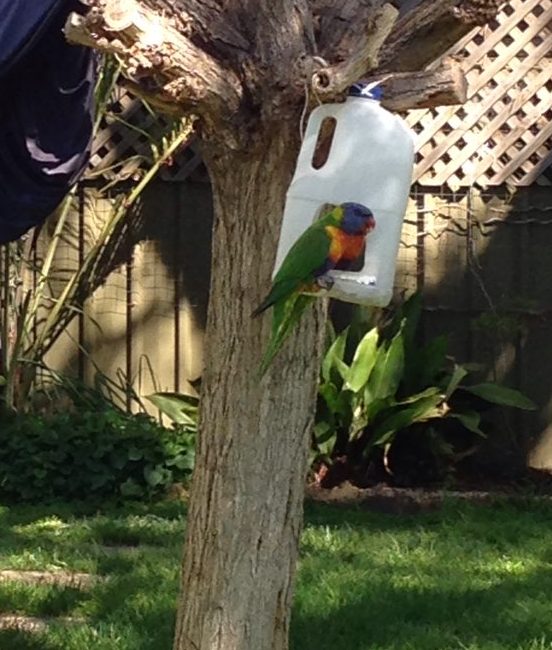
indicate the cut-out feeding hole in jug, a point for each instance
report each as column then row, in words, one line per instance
column 324, row 141
column 355, row 152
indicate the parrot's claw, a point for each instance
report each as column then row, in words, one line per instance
column 325, row 282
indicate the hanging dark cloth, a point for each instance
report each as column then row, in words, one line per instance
column 46, row 111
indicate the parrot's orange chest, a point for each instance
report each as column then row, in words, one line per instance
column 344, row 247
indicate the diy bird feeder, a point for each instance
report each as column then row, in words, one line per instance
column 354, row 151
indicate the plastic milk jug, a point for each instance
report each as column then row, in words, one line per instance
column 370, row 161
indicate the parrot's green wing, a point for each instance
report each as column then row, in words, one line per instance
column 306, row 255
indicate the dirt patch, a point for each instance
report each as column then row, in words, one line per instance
column 402, row 501
column 33, row 624
column 57, row 578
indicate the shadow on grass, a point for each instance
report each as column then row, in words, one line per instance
column 512, row 614
column 26, row 513
column 65, row 524
column 505, row 524
column 464, row 578
column 15, row 640
column 143, row 602
column 39, row 600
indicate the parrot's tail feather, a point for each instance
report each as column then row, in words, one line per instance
column 285, row 318
column 261, row 308
column 280, row 293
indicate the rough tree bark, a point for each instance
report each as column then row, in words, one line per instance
column 243, row 67
column 245, row 509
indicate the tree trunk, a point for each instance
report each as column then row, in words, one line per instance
column 246, row 506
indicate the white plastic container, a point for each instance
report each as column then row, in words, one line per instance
column 370, row 162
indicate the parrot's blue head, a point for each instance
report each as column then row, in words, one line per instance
column 357, row 219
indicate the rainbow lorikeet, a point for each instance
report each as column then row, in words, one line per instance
column 334, row 241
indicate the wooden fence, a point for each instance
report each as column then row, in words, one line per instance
column 143, row 326
column 481, row 259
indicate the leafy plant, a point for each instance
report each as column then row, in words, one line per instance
column 180, row 408
column 393, row 385
column 90, row 453
column 40, row 313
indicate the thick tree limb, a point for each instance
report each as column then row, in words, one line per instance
column 336, row 24
column 272, row 70
column 358, row 53
column 409, row 90
column 430, row 28
column 156, row 54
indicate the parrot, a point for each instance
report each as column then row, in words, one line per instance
column 334, row 241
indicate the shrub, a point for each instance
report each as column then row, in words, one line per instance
column 391, row 399
column 90, row 453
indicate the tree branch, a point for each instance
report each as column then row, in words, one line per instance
column 358, row 53
column 409, row 90
column 157, row 55
column 336, row 23
column 430, row 28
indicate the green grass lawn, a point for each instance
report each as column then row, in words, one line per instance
column 464, row 578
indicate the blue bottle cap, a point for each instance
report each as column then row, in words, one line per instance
column 366, row 91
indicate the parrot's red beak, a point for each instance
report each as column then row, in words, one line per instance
column 370, row 224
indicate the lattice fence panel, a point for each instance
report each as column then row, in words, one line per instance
column 503, row 134
column 122, row 147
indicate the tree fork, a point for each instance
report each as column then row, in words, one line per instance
column 165, row 66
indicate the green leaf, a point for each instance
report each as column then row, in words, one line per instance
column 373, row 408
column 178, row 407
column 135, row 454
column 190, row 455
column 154, row 476
column 425, row 409
column 428, row 392
column 99, row 480
column 458, row 374
column 119, row 459
column 323, row 431
column 335, row 399
column 130, row 488
column 325, row 448
column 182, row 461
column 335, row 354
column 410, row 313
column 363, row 361
column 388, row 370
column 471, row 420
column 432, row 359
column 501, row 395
